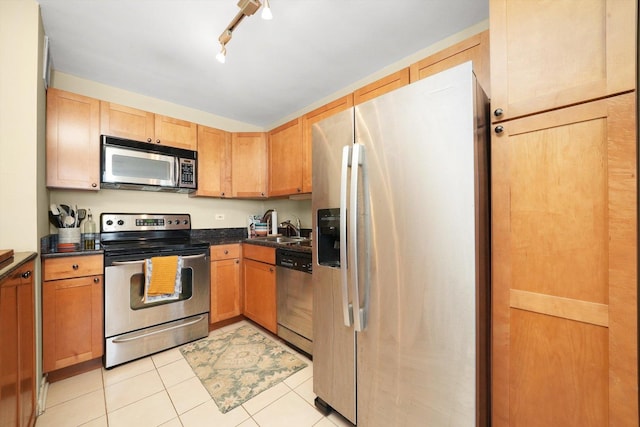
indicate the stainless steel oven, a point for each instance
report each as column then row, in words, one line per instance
column 294, row 294
column 135, row 325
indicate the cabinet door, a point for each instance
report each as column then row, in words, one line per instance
column 564, row 297
column 26, row 346
column 260, row 293
column 475, row 49
column 560, row 53
column 9, row 352
column 285, row 159
column 126, row 122
column 176, row 133
column 382, row 86
column 214, row 163
column 308, row 120
column 225, row 289
column 72, row 325
column 249, row 164
column 73, row 141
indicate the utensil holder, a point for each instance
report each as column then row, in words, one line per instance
column 68, row 237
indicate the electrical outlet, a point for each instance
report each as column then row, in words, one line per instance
column 219, row 217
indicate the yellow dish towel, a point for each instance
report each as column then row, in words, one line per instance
column 163, row 275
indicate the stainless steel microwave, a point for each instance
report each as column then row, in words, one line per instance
column 134, row 165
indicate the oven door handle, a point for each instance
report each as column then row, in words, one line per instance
column 139, row 335
column 141, row 261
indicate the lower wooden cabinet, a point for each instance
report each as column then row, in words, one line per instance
column 72, row 311
column 17, row 348
column 259, row 274
column 225, row 282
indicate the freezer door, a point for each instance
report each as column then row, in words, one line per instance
column 418, row 352
column 334, row 370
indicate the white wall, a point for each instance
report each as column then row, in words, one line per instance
column 21, row 126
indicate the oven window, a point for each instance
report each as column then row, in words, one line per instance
column 136, row 290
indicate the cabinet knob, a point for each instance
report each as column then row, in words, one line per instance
column 498, row 112
column 237, row 261
column 94, row 185
column 262, row 194
column 75, row 266
column 271, row 269
column 148, row 139
column 157, row 141
column 26, row 274
column 226, row 252
column 298, row 190
column 222, row 194
column 96, row 280
column 499, row 129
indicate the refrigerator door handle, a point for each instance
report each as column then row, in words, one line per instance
column 347, row 308
column 357, row 161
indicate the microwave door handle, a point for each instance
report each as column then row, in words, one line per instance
column 176, row 171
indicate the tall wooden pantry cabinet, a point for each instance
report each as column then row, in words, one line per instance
column 564, row 214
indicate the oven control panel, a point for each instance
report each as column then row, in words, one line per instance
column 111, row 222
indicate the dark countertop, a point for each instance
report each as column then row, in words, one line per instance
column 14, row 262
column 214, row 236
column 288, row 246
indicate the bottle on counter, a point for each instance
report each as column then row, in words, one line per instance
column 89, row 232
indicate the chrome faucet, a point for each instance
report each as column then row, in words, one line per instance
column 287, row 224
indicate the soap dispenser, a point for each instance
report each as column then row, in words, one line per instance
column 274, row 222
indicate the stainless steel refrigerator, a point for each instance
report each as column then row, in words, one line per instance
column 401, row 256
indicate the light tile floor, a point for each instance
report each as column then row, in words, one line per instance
column 163, row 390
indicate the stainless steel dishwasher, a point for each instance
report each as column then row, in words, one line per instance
column 295, row 298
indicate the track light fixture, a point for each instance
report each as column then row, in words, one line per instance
column 247, row 8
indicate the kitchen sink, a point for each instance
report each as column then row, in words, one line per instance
column 302, row 241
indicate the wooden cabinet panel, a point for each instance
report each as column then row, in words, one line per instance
column 475, row 49
column 565, row 248
column 382, row 86
column 572, row 51
column 249, row 164
column 225, row 282
column 9, row 354
column 308, row 120
column 72, row 321
column 17, row 348
column 219, row 252
column 73, row 141
column 138, row 125
column 225, row 289
column 285, row 159
column 176, row 133
column 214, row 163
column 126, row 122
column 73, row 266
column 264, row 254
column 260, row 293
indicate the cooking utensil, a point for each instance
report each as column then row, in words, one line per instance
column 69, row 221
column 54, row 219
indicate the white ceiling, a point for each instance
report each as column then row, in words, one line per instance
column 166, row 49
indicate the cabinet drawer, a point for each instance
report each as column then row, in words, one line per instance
column 219, row 252
column 73, row 266
column 259, row 253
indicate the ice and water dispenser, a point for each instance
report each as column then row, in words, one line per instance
column 328, row 237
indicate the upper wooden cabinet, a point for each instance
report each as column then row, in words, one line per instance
column 308, row 120
column 562, row 53
column 285, row 159
column 131, row 123
column 382, row 86
column 214, row 163
column 249, row 164
column 475, row 49
column 73, row 141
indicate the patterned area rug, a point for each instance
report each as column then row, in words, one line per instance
column 237, row 365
